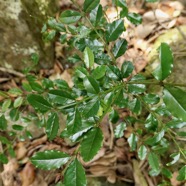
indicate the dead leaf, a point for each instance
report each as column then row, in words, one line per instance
column 20, row 150
column 111, row 177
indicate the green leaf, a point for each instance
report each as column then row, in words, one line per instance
column 70, row 16
column 49, row 35
column 176, row 124
column 15, row 91
column 91, row 108
column 123, row 5
column 90, row 5
column 88, row 57
column 18, row 102
column 119, row 130
column 175, row 101
column 166, row 173
column 75, row 174
column 99, row 72
column 142, row 152
column 166, row 62
column 175, row 157
column 35, row 58
column 114, row 116
column 91, row 85
column 102, row 59
column 36, row 86
column 17, row 127
column 113, row 72
column 50, row 159
column 55, row 25
column 154, row 162
column 134, row 18
column 4, row 140
column 136, row 88
column 14, row 114
column 127, row 69
column 52, row 126
column 114, row 30
column 151, row 1
column 39, row 103
column 155, row 139
column 182, row 174
column 151, row 98
column 120, row 47
column 3, row 123
column 60, row 96
column 6, row 105
column 132, row 140
column 96, row 15
column 3, row 158
column 135, row 106
column 91, row 143
column 27, row 87
column 151, row 123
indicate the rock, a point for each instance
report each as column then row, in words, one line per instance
column 20, row 33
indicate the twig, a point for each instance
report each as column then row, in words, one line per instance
column 11, row 71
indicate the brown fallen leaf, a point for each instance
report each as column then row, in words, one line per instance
column 27, row 174
column 111, row 177
column 20, row 150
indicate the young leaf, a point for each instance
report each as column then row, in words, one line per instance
column 134, row 18
column 99, row 72
column 91, row 143
column 3, row 158
column 91, row 85
column 166, row 62
column 18, row 102
column 90, row 5
column 91, row 108
column 52, row 126
column 142, row 152
column 182, row 174
column 114, row 30
column 119, row 130
column 132, row 140
column 154, row 162
column 39, row 103
column 70, row 16
column 127, row 69
column 75, row 174
column 50, row 159
column 175, row 101
column 96, row 15
column 6, row 105
column 120, row 47
column 175, row 157
column 88, row 57
column 3, row 123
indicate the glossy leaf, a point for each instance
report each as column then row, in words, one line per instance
column 60, row 96
column 134, row 18
column 3, row 123
column 151, row 123
column 81, row 72
column 14, row 114
column 120, row 47
column 75, row 174
column 166, row 173
column 15, row 91
column 52, row 126
column 175, row 157
column 70, row 16
column 113, row 72
column 142, row 152
column 114, row 116
column 135, row 106
column 182, row 174
column 155, row 139
column 50, row 159
column 99, row 72
column 120, row 129
column 102, row 59
column 91, row 85
column 151, row 98
column 17, row 127
column 127, row 69
column 90, row 5
column 39, row 103
column 88, row 57
column 114, row 30
column 175, row 101
column 91, row 143
column 96, row 15
column 176, row 124
column 18, row 101
column 132, row 140
column 166, row 62
column 154, row 162
column 91, row 108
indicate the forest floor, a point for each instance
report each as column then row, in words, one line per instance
column 114, row 161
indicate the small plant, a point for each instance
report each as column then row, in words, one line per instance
column 100, row 88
